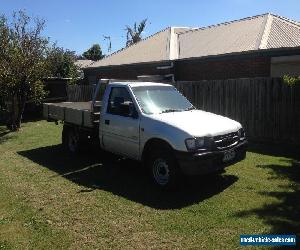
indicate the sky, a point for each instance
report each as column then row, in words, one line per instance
column 76, row 25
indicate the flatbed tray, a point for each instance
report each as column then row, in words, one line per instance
column 77, row 113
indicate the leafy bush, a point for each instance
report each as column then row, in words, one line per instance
column 291, row 80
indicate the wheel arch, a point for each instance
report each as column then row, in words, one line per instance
column 154, row 143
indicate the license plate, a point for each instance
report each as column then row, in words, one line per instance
column 228, row 155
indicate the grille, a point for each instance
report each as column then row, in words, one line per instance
column 225, row 141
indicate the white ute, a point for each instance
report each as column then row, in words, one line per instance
column 152, row 123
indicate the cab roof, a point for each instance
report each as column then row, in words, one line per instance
column 139, row 84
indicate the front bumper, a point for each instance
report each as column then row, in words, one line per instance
column 202, row 163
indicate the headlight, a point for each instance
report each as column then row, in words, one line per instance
column 194, row 143
column 241, row 134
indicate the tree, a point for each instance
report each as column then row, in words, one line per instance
column 94, row 53
column 23, row 63
column 61, row 62
column 134, row 34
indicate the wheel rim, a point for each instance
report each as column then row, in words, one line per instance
column 73, row 141
column 161, row 172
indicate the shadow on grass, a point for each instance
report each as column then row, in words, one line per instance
column 124, row 178
column 3, row 132
column 283, row 215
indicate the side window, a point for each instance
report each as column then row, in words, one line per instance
column 120, row 102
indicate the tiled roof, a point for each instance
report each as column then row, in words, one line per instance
column 283, row 33
column 151, row 49
column 260, row 32
column 254, row 33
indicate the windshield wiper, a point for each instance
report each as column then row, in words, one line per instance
column 190, row 108
column 171, row 110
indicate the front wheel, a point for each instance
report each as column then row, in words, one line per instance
column 164, row 169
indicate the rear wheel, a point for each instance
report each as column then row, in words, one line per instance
column 71, row 139
column 163, row 168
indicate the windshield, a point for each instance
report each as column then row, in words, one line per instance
column 160, row 99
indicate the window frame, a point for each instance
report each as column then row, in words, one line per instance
column 108, row 111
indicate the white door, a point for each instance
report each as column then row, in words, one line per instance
column 121, row 124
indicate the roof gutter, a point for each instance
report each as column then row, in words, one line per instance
column 166, row 67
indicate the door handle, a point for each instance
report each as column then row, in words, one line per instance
column 106, row 122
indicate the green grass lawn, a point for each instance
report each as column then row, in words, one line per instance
column 51, row 200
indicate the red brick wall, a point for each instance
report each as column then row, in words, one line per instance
column 190, row 70
column 213, row 69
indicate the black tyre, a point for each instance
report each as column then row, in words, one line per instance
column 71, row 140
column 163, row 168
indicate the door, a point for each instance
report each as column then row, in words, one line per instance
column 120, row 124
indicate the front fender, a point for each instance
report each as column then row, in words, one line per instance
column 152, row 129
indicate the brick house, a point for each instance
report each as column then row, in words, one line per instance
column 259, row 46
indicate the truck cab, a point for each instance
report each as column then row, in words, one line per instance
column 155, row 124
